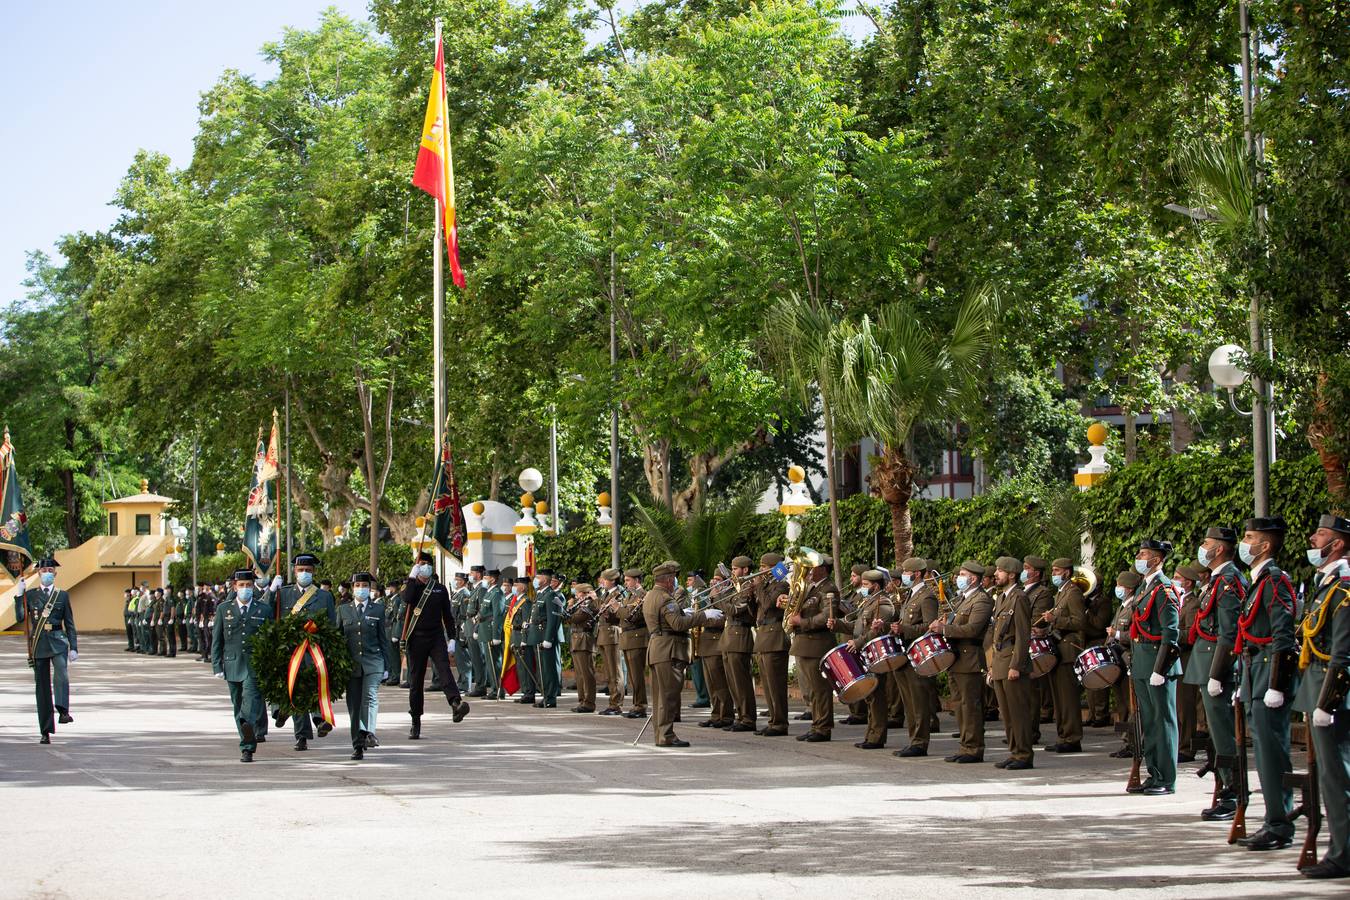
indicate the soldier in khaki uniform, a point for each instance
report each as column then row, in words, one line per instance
column 771, row 646
column 738, row 643
column 1034, row 575
column 913, row 616
column 1099, row 616
column 633, row 642
column 668, row 650
column 812, row 629
column 965, row 627
column 1011, row 665
column 607, row 640
column 1067, row 619
column 895, row 714
column 708, row 648
column 848, row 604
column 582, row 619
column 874, row 614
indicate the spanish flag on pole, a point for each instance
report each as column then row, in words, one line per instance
column 435, row 171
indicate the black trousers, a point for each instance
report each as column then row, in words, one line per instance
column 131, row 636
column 421, row 650
column 173, row 638
column 42, row 675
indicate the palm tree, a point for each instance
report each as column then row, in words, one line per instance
column 897, row 372
column 702, row 539
column 805, row 343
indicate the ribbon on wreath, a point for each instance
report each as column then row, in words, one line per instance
column 320, row 667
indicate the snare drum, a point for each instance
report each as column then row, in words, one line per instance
column 884, row 654
column 1098, row 667
column 931, row 654
column 843, row 669
column 1043, row 656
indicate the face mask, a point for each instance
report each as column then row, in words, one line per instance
column 1120, row 592
column 424, row 570
column 538, row 583
column 962, row 582
column 906, row 579
column 304, row 579
column 1023, row 577
column 1203, row 556
column 864, row 591
column 47, row 578
column 1057, row 580
column 244, row 594
column 1316, row 557
column 1141, row 566
column 517, row 589
column 1245, row 553
column 361, row 594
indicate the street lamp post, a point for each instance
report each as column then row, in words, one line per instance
column 1226, row 371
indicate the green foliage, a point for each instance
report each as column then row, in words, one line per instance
column 701, row 540
column 274, row 644
column 338, row 563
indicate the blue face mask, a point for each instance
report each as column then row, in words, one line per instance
column 1057, row 580
column 906, row 579
column 1023, row 577
column 424, row 570
column 304, row 579
column 962, row 582
column 1141, row 566
column 1203, row 556
column 244, row 594
column 1316, row 557
column 362, row 594
column 47, row 578
column 1246, row 553
column 1121, row 593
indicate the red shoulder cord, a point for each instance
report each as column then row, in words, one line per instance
column 1137, row 628
column 1197, row 629
column 1245, row 622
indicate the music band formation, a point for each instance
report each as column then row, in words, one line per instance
column 1199, row 661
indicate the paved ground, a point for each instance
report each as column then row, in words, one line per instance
column 143, row 795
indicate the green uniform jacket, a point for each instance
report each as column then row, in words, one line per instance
column 1331, row 592
column 367, row 640
column 1216, row 625
column 232, row 638
column 491, row 615
column 321, row 603
column 58, row 635
column 1155, row 624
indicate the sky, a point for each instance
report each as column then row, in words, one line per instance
column 84, row 84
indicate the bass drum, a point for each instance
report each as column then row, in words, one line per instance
column 843, row 669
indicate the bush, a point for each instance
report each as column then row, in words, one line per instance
column 337, row 563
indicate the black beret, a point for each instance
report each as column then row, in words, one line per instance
column 1266, row 523
column 1222, row 533
column 48, row 562
column 1163, row 547
column 479, row 569
column 305, row 559
column 493, row 573
column 1334, row 523
column 365, row 577
column 243, row 575
column 425, row 557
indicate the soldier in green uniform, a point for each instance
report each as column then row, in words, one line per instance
column 582, row 620
column 1066, row 619
column 707, row 647
column 52, row 643
column 771, row 646
column 1155, row 665
column 548, row 617
column 488, row 641
column 238, row 618
column 1327, row 552
column 874, row 613
column 393, row 624
column 303, row 598
column 1266, row 652
column 362, row 621
column 478, row 590
column 1042, row 598
column 460, row 595
column 1331, row 714
column 633, row 641
column 521, row 649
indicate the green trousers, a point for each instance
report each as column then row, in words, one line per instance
column 1158, row 719
column 1333, row 778
column 1223, row 732
column 700, row 683
column 1270, row 739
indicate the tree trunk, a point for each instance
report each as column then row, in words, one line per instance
column 494, row 483
column 72, row 498
column 1183, row 431
column 1131, row 436
column 893, row 476
column 1322, row 435
column 372, row 483
column 666, row 486
column 833, row 479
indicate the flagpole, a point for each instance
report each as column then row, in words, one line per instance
column 437, row 317
column 287, row 401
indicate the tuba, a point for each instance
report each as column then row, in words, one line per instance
column 803, row 560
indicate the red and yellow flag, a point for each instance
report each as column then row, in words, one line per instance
column 435, row 171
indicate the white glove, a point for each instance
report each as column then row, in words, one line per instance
column 385, row 676
column 452, row 645
column 1157, row 680
column 276, row 583
column 713, row 615
column 496, row 642
column 1274, row 699
column 1321, row 718
column 74, row 655
column 21, row 587
column 688, row 612
column 1214, row 687
column 547, row 645
column 220, row 675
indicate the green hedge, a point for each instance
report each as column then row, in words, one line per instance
column 1175, row 498
column 337, row 563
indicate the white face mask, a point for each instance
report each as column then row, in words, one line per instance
column 1121, row 593
column 1023, row 577
column 244, row 594
column 424, row 570
column 537, row 582
column 962, row 582
column 1141, row 566
column 1203, row 556
column 517, row 589
column 1246, row 552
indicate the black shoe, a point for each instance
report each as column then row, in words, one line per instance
column 477, row 694
column 804, row 717
column 1019, row 764
column 739, row 727
column 1003, row 763
column 261, row 739
column 1099, row 723
column 246, row 756
column 815, row 737
column 461, row 709
column 301, row 744
column 279, row 718
column 358, row 752
column 1325, row 869
column 869, row 745
column 65, row 718
column 1141, row 788
column 1267, row 840
column 955, row 734
column 772, row 732
column 1123, row 753
column 247, row 733
column 935, row 724
column 324, row 729
column 539, row 704
column 1185, row 757
column 371, row 741
column 404, row 684
column 699, row 704
column 523, row 699
column 965, row 758
column 803, row 736
column 582, row 709
column 634, row 714
column 852, row 720
column 553, row 704
column 675, row 743
column 911, row 750
column 1219, row 813
column 46, row 739
column 415, row 733
column 611, row 711
column 1075, row 747
column 709, row 723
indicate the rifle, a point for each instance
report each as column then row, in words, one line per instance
column 1209, row 767
column 1137, row 732
column 1238, row 830
column 1311, row 805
